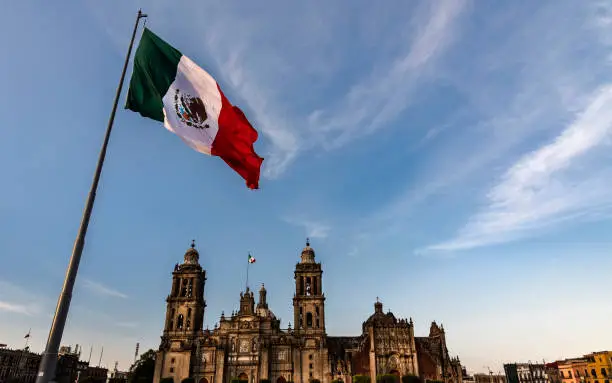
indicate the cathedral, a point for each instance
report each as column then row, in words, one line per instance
column 250, row 344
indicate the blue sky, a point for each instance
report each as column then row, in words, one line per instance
column 451, row 157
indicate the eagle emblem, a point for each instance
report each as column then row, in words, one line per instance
column 190, row 110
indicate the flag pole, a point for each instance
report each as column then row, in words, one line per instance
column 247, row 279
column 46, row 369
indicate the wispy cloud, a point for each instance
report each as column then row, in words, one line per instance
column 29, row 310
column 101, row 289
column 551, row 83
column 387, row 91
column 16, row 299
column 127, row 324
column 559, row 181
column 313, row 229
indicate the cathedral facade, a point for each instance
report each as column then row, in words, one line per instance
column 251, row 345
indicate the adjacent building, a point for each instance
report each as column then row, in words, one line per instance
column 489, row 378
column 21, row 366
column 18, row 365
column 599, row 367
column 552, row 372
column 573, row 370
column 251, row 345
column 525, row 373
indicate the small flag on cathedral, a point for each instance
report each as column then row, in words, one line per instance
column 251, row 259
column 168, row 87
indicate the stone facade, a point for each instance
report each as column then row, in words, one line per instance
column 18, row 365
column 250, row 344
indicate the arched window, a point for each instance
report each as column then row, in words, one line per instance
column 171, row 324
column 188, row 321
column 309, row 320
column 179, row 322
column 190, row 288
column 308, row 288
column 184, row 287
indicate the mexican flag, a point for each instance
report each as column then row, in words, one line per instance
column 168, row 87
column 251, row 259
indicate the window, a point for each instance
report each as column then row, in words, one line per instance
column 309, row 320
column 188, row 322
column 171, row 370
column 570, row 374
column 172, row 360
column 317, row 310
column 310, row 366
column 179, row 322
column 171, row 324
column 184, row 287
column 594, row 373
column 310, row 356
column 190, row 288
column 317, row 323
column 308, row 290
column 603, row 372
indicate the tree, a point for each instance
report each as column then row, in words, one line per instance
column 143, row 370
column 387, row 378
column 410, row 379
column 361, row 379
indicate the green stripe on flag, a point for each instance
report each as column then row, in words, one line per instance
column 155, row 65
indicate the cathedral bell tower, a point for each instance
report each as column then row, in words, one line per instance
column 185, row 304
column 309, row 301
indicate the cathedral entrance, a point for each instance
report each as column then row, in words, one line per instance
column 281, row 380
column 203, row 380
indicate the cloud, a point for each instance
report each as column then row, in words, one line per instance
column 387, row 91
column 560, row 181
column 101, row 289
column 127, row 324
column 18, row 308
column 518, row 90
column 29, row 304
column 313, row 229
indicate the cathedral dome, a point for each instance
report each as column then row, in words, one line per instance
column 308, row 253
column 191, row 255
column 379, row 318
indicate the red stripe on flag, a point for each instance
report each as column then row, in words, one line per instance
column 234, row 143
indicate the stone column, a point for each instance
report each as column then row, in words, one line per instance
column 372, row 356
column 219, row 366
